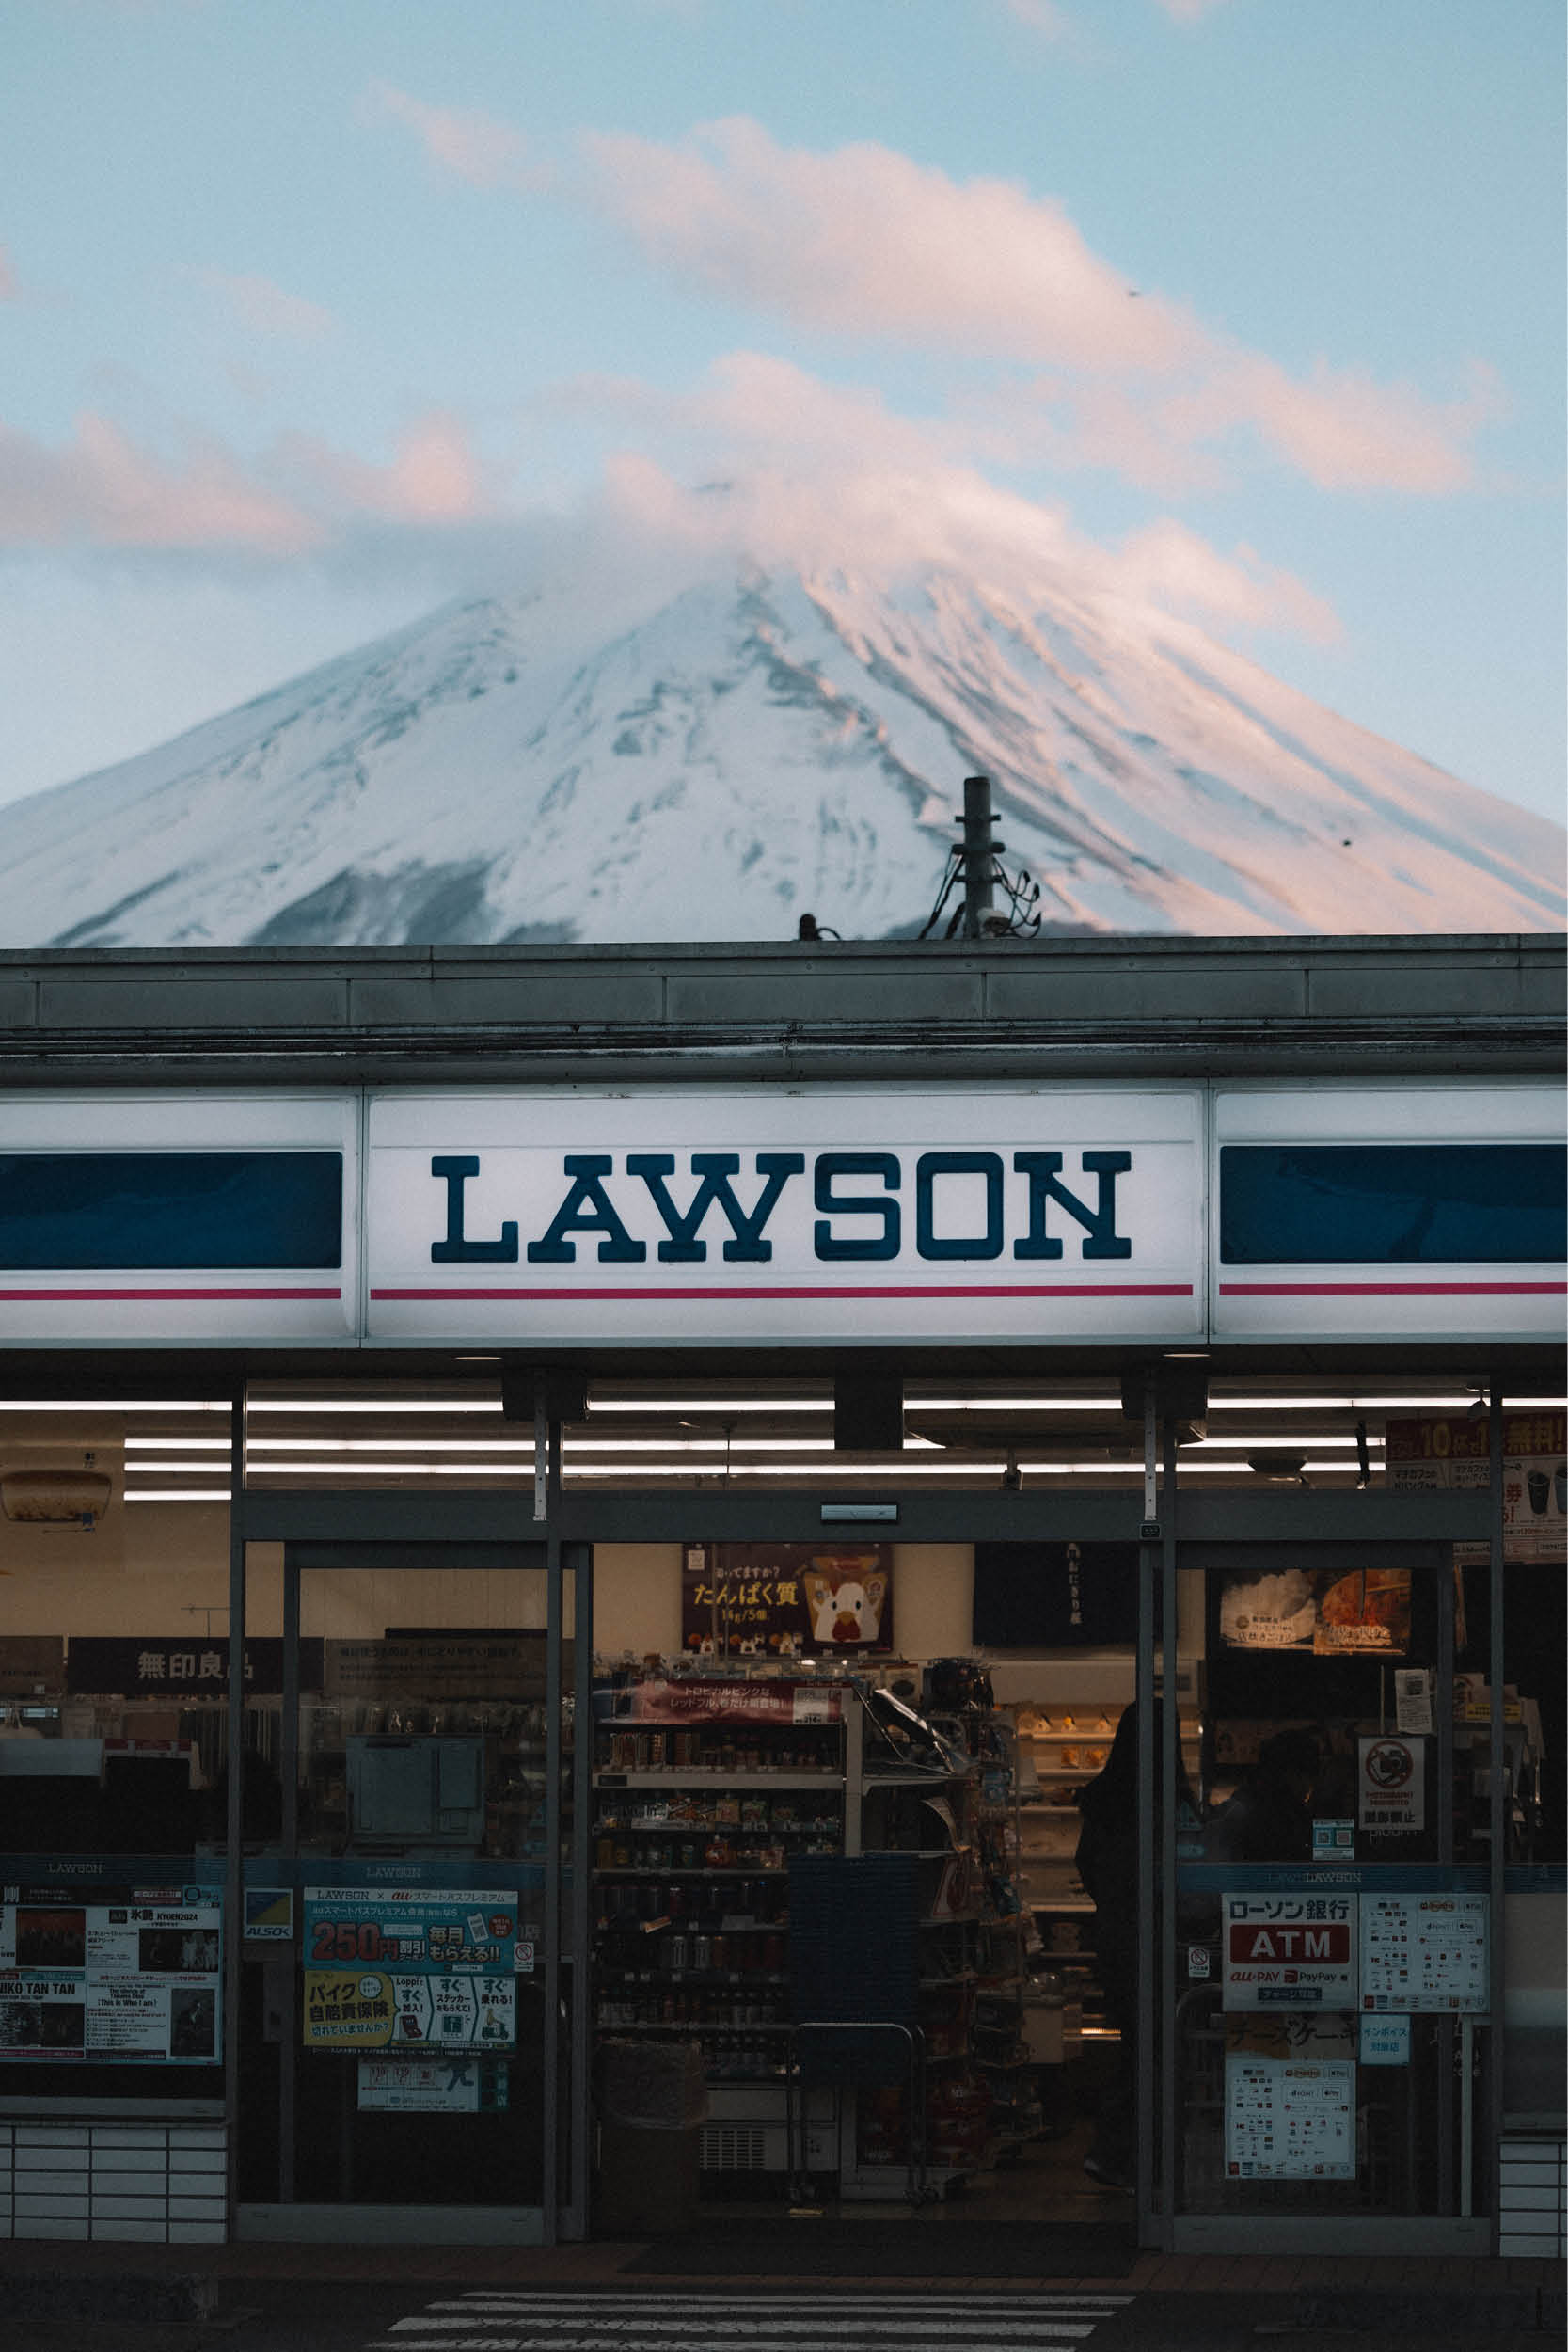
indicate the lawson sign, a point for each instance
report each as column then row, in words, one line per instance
column 768, row 1216
column 517, row 1217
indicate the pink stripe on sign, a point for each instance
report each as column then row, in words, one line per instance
column 910, row 1290
column 234, row 1292
column 1391, row 1289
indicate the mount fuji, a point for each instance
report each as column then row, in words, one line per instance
column 709, row 758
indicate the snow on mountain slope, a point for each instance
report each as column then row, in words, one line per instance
column 756, row 744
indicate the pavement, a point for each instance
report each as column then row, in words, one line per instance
column 295, row 2298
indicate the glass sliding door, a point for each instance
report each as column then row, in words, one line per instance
column 1330, row 1997
column 411, row 2072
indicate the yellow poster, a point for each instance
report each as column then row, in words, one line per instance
column 348, row 2008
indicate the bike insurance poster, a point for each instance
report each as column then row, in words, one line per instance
column 411, row 1968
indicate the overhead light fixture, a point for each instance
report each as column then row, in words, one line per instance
column 1278, row 1464
column 112, row 1405
column 180, row 1494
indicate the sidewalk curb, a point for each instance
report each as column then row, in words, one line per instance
column 133, row 2298
column 1482, row 2311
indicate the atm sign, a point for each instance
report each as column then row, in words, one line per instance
column 1258, row 1941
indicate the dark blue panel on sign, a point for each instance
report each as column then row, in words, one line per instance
column 77, row 1210
column 1393, row 1204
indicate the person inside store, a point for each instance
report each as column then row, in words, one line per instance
column 1270, row 1816
column 1107, row 1860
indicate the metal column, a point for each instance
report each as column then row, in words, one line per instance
column 1152, row 2232
column 1170, row 1751
column 234, row 1870
column 1497, row 1757
column 580, row 1939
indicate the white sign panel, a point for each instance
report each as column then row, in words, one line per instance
column 765, row 1215
column 419, row 2086
column 1391, row 1784
column 201, row 1220
column 1424, row 1952
column 1377, row 1212
column 1289, row 2119
column 1290, row 1950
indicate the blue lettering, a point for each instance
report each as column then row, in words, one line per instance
column 715, row 1169
column 831, row 1165
column 456, row 1247
column 931, row 1165
column 1099, row 1223
column 587, row 1209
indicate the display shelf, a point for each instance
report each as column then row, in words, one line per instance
column 717, row 1871
column 713, row 1776
column 662, row 1829
column 689, row 2026
column 685, row 1979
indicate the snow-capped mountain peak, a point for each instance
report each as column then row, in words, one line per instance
column 714, row 757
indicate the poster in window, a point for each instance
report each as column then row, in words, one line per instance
column 1444, row 1453
column 120, row 1975
column 1317, row 1611
column 786, row 1600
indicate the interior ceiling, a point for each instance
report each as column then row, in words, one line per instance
column 704, row 1429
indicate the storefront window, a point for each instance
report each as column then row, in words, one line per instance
column 114, row 1684
column 398, row 2049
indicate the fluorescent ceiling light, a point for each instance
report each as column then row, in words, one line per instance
column 185, row 1445
column 389, row 1445
column 710, row 1405
column 1260, row 1436
column 456, row 1471
column 305, row 1405
column 178, row 1494
column 161, row 1468
column 111, row 1404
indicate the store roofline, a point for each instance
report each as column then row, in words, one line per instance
column 1482, row 1004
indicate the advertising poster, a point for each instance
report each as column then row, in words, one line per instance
column 413, row 2084
column 1290, row 2111
column 1425, row 1952
column 1438, row 1451
column 1289, row 1951
column 132, row 1975
column 1317, row 1611
column 410, row 1968
column 786, row 1600
column 1391, row 1784
column 430, row 1667
column 697, row 1703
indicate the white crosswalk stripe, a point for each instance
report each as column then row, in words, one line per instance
column 590, row 2320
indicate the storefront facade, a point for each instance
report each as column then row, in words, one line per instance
column 390, row 1335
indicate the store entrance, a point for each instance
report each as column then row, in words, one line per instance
column 845, row 1963
column 407, row 2036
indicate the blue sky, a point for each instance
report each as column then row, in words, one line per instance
column 309, row 314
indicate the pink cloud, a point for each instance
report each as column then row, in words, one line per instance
column 1189, row 11
column 1043, row 17
column 471, row 146
column 10, row 290
column 264, row 308
column 101, row 486
column 1169, row 565
column 1338, row 427
column 864, row 242
column 826, row 476
column 434, row 477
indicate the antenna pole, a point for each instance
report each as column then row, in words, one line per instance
column 979, row 857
